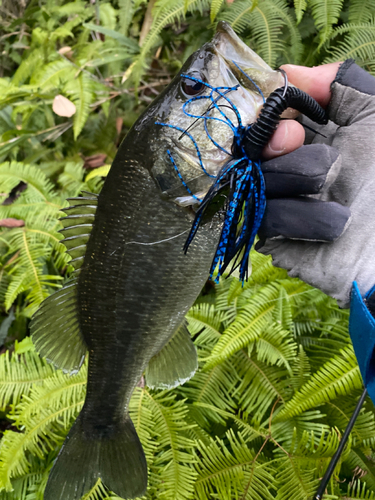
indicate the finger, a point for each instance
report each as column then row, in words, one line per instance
column 305, row 171
column 303, row 219
column 288, row 136
column 315, row 81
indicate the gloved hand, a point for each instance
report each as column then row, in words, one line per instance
column 339, row 171
column 338, row 223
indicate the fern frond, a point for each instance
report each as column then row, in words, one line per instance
column 361, row 11
column 27, row 67
column 266, row 23
column 213, row 388
column 340, row 376
column 215, row 9
column 126, row 12
column 53, row 75
column 39, row 188
column 359, row 491
column 18, row 374
column 144, row 424
column 48, row 410
column 299, row 8
column 97, row 492
column 276, row 347
column 226, row 473
column 357, row 459
column 359, row 44
column 176, row 450
column 81, row 91
column 325, row 14
column 206, row 324
column 165, row 12
column 301, row 370
column 339, row 413
column 251, row 322
column 238, row 14
column 260, row 386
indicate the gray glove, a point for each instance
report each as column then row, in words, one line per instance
column 342, row 173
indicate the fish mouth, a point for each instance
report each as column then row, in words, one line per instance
column 242, row 59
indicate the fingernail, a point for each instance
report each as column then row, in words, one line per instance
column 277, row 144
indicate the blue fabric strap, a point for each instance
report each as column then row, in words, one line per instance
column 362, row 333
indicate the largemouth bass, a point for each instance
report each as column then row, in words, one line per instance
column 133, row 283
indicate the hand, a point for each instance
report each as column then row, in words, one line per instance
column 341, row 176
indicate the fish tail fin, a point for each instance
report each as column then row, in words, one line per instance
column 117, row 458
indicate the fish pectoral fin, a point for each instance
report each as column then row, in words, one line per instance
column 55, row 329
column 175, row 363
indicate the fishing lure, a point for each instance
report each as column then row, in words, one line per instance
column 240, row 182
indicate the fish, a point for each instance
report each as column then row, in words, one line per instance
column 126, row 301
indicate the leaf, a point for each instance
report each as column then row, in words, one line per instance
column 131, row 45
column 300, row 7
column 340, row 376
column 81, row 91
column 325, row 14
column 215, row 8
column 98, row 172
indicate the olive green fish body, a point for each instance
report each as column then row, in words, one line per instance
column 133, row 283
column 136, row 284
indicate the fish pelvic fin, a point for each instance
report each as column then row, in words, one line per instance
column 116, row 457
column 175, row 363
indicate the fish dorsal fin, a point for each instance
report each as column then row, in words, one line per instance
column 55, row 326
column 78, row 224
column 55, row 329
column 175, row 363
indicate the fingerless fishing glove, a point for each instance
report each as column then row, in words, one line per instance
column 320, row 218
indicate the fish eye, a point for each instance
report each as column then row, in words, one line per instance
column 192, row 87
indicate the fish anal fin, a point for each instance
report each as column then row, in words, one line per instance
column 175, row 363
column 55, row 329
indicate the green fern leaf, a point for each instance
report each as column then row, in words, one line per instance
column 165, row 12
column 34, row 60
column 126, row 12
column 358, row 460
column 48, row 410
column 248, row 325
column 238, row 14
column 361, row 11
column 358, row 44
column 300, row 7
column 340, row 376
column 325, row 14
column 18, row 374
column 174, row 461
column 226, row 473
column 215, row 9
column 359, row 491
column 81, row 91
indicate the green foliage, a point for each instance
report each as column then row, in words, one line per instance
column 278, row 380
column 261, row 423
